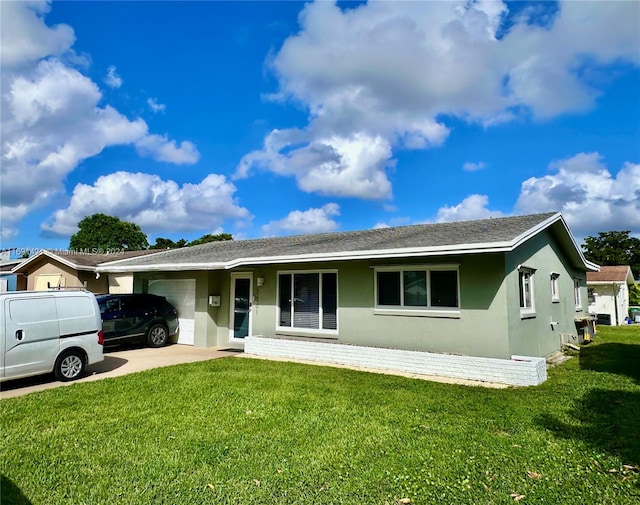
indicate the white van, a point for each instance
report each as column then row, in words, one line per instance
column 49, row 331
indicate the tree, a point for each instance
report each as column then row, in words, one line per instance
column 167, row 243
column 634, row 294
column 102, row 233
column 614, row 248
column 211, row 238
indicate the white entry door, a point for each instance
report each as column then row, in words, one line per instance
column 181, row 293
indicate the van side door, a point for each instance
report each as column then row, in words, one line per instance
column 3, row 331
column 31, row 337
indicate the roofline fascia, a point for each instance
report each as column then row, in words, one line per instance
column 372, row 254
column 26, row 261
column 606, row 283
column 589, row 265
column 534, row 230
column 315, row 258
column 44, row 252
column 53, row 256
column 115, row 269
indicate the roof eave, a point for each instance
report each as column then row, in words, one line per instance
column 49, row 254
column 588, row 265
column 315, row 258
column 110, row 268
column 446, row 250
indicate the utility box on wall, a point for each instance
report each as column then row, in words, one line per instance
column 214, row 301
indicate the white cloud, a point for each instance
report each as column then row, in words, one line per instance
column 391, row 71
column 335, row 166
column 472, row 207
column 471, row 166
column 26, row 38
column 160, row 148
column 590, row 198
column 113, row 80
column 53, row 117
column 155, row 106
column 152, row 203
column 308, row 221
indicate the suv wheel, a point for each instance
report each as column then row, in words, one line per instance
column 157, row 336
column 69, row 366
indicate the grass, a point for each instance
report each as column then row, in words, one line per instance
column 242, row 431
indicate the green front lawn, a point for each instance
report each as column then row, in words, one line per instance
column 242, row 431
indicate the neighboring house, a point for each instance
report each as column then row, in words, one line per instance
column 609, row 293
column 64, row 269
column 10, row 281
column 490, row 288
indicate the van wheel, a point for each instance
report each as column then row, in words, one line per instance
column 157, row 336
column 69, row 366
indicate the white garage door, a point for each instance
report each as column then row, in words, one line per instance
column 181, row 293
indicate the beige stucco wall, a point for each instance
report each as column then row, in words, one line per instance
column 120, row 283
column 72, row 277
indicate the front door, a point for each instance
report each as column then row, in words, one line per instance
column 241, row 303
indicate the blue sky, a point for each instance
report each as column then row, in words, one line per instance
column 277, row 118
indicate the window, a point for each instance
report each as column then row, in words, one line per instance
column 109, row 305
column 417, row 288
column 33, row 310
column 555, row 292
column 576, row 294
column 525, row 284
column 308, row 301
column 73, row 307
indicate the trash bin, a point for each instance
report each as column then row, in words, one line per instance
column 634, row 314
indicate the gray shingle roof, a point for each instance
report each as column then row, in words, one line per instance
column 446, row 235
column 79, row 260
column 91, row 260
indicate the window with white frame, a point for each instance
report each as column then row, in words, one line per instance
column 308, row 301
column 555, row 291
column 417, row 288
column 576, row 294
column 525, row 284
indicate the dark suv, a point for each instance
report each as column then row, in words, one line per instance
column 142, row 318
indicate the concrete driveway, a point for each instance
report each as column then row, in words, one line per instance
column 119, row 362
